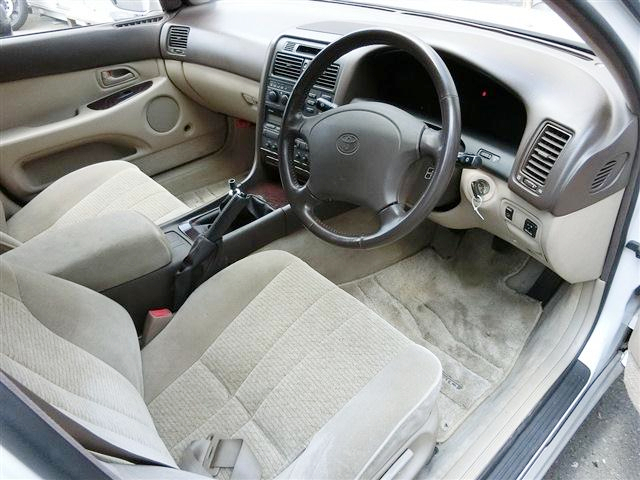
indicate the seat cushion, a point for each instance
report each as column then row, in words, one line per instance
column 93, row 191
column 272, row 352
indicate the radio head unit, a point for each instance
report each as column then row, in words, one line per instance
column 290, row 59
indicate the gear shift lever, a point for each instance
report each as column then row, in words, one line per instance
column 233, row 186
column 205, row 249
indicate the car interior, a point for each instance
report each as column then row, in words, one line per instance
column 380, row 237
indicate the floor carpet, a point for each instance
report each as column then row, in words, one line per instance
column 208, row 193
column 461, row 309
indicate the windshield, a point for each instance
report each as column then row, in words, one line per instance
column 532, row 16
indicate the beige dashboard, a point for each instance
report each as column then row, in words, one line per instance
column 572, row 217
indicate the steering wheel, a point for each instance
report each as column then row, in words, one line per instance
column 362, row 152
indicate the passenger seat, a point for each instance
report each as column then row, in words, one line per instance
column 87, row 193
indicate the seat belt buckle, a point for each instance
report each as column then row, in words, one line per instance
column 209, row 456
column 221, row 454
column 154, row 323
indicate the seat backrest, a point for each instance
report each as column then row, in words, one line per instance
column 78, row 351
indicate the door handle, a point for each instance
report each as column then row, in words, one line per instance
column 116, row 76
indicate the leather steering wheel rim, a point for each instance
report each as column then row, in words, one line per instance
column 334, row 180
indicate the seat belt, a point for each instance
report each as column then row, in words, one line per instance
column 209, row 456
column 83, row 435
column 205, row 457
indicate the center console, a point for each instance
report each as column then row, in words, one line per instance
column 291, row 57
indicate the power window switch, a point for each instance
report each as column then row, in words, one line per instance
column 508, row 213
column 531, row 228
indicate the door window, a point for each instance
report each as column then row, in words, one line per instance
column 33, row 16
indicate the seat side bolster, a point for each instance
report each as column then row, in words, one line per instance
column 372, row 428
column 83, row 317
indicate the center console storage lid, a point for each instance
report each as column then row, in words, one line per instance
column 99, row 253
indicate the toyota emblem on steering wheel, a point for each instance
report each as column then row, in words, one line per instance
column 348, row 144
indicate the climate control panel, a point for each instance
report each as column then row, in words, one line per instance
column 289, row 61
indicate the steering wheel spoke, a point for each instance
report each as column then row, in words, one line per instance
column 390, row 216
column 431, row 143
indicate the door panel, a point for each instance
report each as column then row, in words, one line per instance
column 48, row 130
column 632, row 370
column 50, row 53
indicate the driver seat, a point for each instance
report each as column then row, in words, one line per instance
column 267, row 351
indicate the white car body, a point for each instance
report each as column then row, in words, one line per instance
column 91, row 12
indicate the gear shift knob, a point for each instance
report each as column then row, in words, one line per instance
column 233, row 186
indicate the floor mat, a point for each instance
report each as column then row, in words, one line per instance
column 461, row 309
column 206, row 194
column 272, row 192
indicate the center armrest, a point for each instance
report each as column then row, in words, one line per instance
column 99, row 253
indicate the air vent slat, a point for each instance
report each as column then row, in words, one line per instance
column 558, row 135
column 551, row 145
column 287, row 65
column 537, row 169
column 548, row 164
column 545, row 153
column 178, row 39
column 547, row 148
column 329, row 78
column 536, row 176
column 544, row 169
column 291, row 66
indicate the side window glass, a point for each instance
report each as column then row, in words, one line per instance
column 33, row 16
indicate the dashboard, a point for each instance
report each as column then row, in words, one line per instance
column 550, row 124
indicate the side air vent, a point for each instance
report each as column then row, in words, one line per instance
column 543, row 155
column 287, row 65
column 603, row 175
column 289, row 46
column 329, row 78
column 177, row 40
column 132, row 23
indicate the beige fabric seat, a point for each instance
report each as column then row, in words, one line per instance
column 90, row 192
column 268, row 351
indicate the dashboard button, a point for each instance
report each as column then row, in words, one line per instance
column 531, row 228
column 508, row 213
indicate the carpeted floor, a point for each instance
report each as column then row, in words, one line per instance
column 206, row 194
column 461, row 309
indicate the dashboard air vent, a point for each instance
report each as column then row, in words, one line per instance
column 543, row 155
column 289, row 46
column 287, row 65
column 603, row 175
column 141, row 21
column 177, row 40
column 329, row 78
